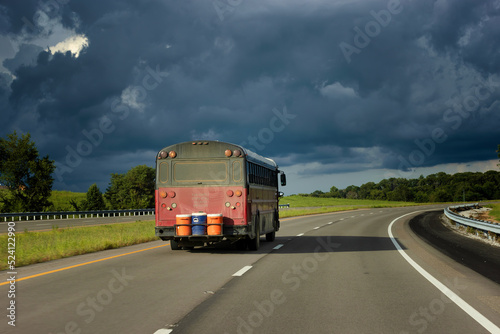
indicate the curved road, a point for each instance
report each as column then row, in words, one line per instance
column 330, row 273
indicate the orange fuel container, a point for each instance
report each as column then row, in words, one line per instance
column 214, row 224
column 181, row 220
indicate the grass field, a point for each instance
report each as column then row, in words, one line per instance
column 36, row 247
column 305, row 205
column 495, row 211
column 61, row 199
column 306, row 201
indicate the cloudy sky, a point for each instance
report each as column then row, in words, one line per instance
column 337, row 92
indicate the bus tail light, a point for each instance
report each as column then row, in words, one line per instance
column 228, row 153
column 236, row 153
column 238, row 193
column 229, row 193
column 172, row 154
column 171, row 194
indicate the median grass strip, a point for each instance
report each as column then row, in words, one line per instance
column 309, row 201
column 307, row 205
column 284, row 213
column 36, row 247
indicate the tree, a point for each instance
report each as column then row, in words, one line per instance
column 334, row 192
column 94, row 200
column 26, row 175
column 135, row 189
column 317, row 193
column 498, row 151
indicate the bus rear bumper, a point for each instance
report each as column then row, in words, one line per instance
column 229, row 233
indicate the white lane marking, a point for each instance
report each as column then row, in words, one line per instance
column 279, row 246
column 317, row 227
column 472, row 312
column 330, row 223
column 242, row 271
column 301, row 234
column 163, row 331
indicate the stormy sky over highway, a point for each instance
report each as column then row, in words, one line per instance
column 337, row 92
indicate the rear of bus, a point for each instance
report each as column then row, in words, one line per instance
column 206, row 181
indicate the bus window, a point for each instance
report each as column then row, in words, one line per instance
column 200, row 171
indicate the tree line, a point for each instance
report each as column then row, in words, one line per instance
column 439, row 187
column 26, row 181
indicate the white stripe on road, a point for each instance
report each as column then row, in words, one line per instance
column 279, row 246
column 301, row 234
column 481, row 319
column 317, row 227
column 242, row 271
column 163, row 331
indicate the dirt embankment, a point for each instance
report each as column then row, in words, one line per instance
column 481, row 214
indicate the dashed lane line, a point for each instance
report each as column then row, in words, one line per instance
column 242, row 271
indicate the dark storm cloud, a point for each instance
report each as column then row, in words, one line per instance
column 417, row 85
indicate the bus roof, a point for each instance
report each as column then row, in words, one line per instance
column 254, row 157
column 250, row 155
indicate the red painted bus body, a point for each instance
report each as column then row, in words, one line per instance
column 216, row 178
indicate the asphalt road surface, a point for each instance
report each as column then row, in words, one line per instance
column 361, row 271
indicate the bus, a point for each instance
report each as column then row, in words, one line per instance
column 211, row 191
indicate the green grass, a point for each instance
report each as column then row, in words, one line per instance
column 304, row 212
column 61, row 199
column 306, row 201
column 305, row 205
column 36, row 247
column 495, row 211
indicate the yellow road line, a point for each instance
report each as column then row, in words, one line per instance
column 83, row 264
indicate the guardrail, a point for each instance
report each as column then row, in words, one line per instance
column 471, row 222
column 74, row 214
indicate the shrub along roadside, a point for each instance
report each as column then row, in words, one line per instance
column 36, row 247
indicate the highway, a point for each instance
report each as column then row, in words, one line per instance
column 361, row 271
